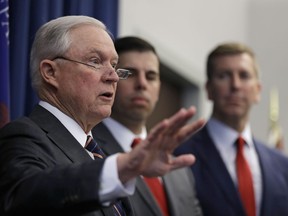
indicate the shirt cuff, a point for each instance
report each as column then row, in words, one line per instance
column 111, row 187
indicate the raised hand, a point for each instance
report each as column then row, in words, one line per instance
column 153, row 157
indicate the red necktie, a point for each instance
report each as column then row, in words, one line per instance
column 245, row 181
column 155, row 187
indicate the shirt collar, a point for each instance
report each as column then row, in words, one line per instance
column 223, row 135
column 70, row 124
column 127, row 136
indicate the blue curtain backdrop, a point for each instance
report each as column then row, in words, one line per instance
column 26, row 16
column 4, row 65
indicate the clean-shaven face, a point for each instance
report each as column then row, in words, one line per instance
column 137, row 96
column 234, row 86
column 86, row 93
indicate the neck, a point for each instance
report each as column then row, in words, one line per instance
column 237, row 124
column 134, row 126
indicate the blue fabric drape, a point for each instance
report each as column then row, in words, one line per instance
column 26, row 16
column 4, row 65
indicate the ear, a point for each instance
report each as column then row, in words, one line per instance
column 209, row 90
column 48, row 71
column 258, row 93
column 159, row 91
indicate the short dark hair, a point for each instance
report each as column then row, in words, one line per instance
column 132, row 43
column 231, row 48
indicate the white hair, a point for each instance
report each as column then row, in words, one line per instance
column 53, row 39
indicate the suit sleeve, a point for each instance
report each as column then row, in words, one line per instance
column 198, row 209
column 37, row 177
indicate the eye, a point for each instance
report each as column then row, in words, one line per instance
column 222, row 75
column 245, row 75
column 95, row 61
column 114, row 65
column 151, row 76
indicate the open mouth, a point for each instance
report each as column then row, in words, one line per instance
column 107, row 94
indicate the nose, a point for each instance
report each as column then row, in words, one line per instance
column 141, row 80
column 109, row 74
column 235, row 81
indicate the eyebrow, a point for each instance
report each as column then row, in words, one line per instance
column 99, row 52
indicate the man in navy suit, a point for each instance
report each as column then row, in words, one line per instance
column 233, row 86
column 45, row 168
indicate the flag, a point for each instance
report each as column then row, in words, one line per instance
column 275, row 136
column 4, row 65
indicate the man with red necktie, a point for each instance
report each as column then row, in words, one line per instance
column 135, row 100
column 236, row 174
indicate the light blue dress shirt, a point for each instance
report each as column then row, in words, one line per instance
column 224, row 138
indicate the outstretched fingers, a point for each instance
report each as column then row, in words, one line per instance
column 172, row 131
column 178, row 120
column 156, row 150
column 186, row 131
column 170, row 126
column 182, row 161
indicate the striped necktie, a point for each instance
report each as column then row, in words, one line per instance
column 245, row 181
column 92, row 146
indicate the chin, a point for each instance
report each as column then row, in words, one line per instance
column 104, row 113
column 234, row 115
column 107, row 114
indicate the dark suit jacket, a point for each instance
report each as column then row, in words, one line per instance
column 45, row 171
column 216, row 191
column 179, row 184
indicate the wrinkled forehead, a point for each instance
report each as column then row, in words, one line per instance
column 91, row 39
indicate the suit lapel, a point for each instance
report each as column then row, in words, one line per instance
column 270, row 188
column 171, row 191
column 110, row 146
column 147, row 196
column 59, row 135
column 106, row 140
column 213, row 162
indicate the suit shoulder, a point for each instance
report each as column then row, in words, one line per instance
column 190, row 145
column 184, row 174
column 273, row 154
column 19, row 126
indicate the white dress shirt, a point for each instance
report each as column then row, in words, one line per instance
column 127, row 136
column 111, row 187
column 224, row 138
